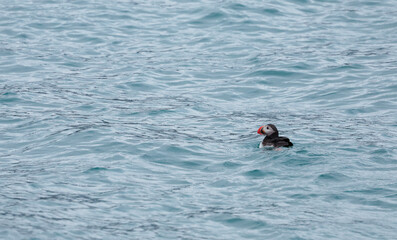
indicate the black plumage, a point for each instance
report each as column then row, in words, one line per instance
column 272, row 138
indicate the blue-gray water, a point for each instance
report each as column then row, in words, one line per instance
column 138, row 119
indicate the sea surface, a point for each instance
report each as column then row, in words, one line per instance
column 137, row 119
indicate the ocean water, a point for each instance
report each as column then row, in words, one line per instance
column 137, row 119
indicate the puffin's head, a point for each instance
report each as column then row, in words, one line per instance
column 267, row 130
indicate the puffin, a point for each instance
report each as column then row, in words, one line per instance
column 272, row 139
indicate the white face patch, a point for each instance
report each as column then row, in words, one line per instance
column 267, row 130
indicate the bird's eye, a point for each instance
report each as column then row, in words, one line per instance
column 267, row 128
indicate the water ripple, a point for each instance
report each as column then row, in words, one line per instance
column 138, row 119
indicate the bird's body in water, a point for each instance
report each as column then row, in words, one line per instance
column 272, row 138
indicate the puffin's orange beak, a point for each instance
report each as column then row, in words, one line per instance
column 260, row 130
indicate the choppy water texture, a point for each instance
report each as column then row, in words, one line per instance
column 138, row 119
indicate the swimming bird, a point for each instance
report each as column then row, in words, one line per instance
column 272, row 139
